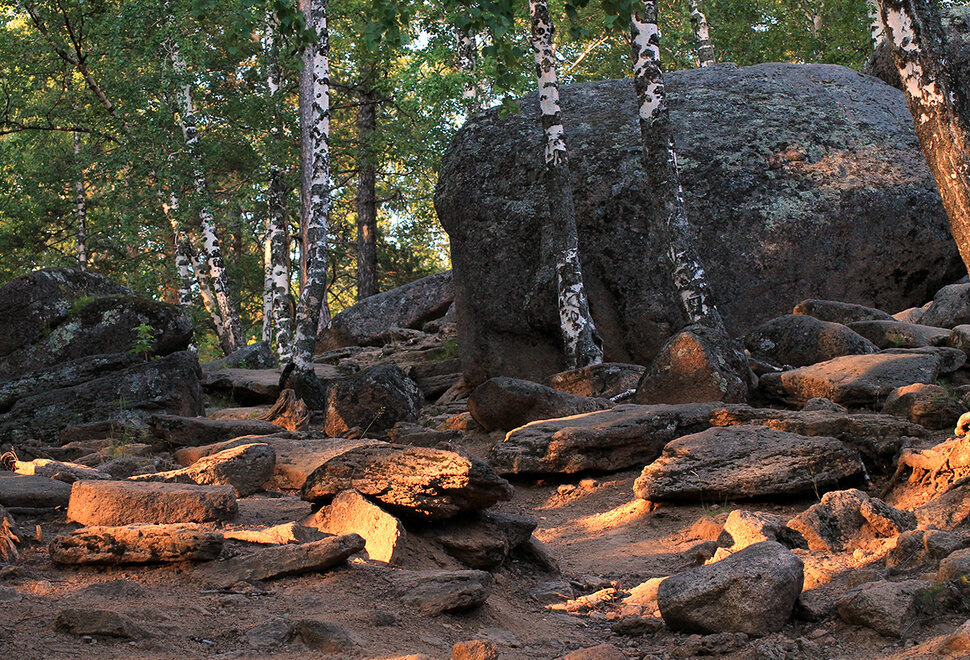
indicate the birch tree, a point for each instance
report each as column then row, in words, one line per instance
column 466, row 60
column 80, row 206
column 211, row 265
column 581, row 342
column 277, row 323
column 938, row 102
column 702, row 35
column 315, row 161
column 660, row 163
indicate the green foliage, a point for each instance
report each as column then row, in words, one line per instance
column 143, row 344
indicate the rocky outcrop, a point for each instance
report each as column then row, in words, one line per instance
column 818, row 151
column 410, row 306
column 746, row 461
column 77, row 349
column 413, row 481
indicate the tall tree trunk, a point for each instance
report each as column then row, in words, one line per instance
column 467, row 59
column 366, row 196
column 581, row 342
column 938, row 102
column 702, row 35
column 82, row 212
column 315, row 159
column 660, row 163
column 277, row 320
column 210, row 261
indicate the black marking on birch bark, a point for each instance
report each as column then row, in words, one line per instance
column 582, row 344
column 660, row 164
column 938, row 103
column 315, row 246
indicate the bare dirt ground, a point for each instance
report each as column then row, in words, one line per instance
column 598, row 531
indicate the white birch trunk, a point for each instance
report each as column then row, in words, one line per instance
column 702, row 35
column 317, row 175
column 582, row 344
column 210, row 261
column 939, row 103
column 660, row 162
column 277, row 323
column 467, row 60
column 876, row 26
column 81, row 206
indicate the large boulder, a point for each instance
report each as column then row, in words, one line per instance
column 413, row 481
column 410, row 306
column 752, row 591
column 373, row 400
column 799, row 340
column 791, row 160
column 736, row 462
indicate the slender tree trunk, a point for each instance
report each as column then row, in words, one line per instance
column 82, row 212
column 210, row 261
column 876, row 26
column 660, row 163
column 702, row 35
column 277, row 321
column 582, row 343
column 938, row 102
column 267, row 333
column 366, row 197
column 315, row 157
column 467, row 59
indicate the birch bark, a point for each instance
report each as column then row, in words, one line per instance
column 467, row 60
column 938, row 103
column 702, row 35
column 660, row 163
column 210, row 261
column 315, row 156
column 582, row 344
column 81, row 206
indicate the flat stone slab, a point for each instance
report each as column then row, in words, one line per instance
column 32, row 492
column 246, row 468
column 283, row 560
column 257, row 386
column 137, row 544
column 126, row 502
column 416, row 481
column 615, row 439
column 744, row 462
column 172, row 431
column 435, row 592
column 853, row 380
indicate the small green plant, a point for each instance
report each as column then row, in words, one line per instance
column 79, row 304
column 143, row 344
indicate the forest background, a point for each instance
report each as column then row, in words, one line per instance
column 114, row 170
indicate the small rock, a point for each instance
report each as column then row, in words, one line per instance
column 823, row 404
column 287, row 533
column 483, row 541
column 695, row 365
column 605, row 380
column 925, row 404
column 323, row 636
column 125, row 502
column 948, row 511
column 749, row 527
column 839, row 312
column 137, row 544
column 957, row 644
column 601, row 652
column 637, row 625
column 98, row 623
column 896, row 334
column 508, row 403
column 350, row 513
column 269, row 634
column 555, row 591
column 753, row 591
column 954, row 567
column 476, row 649
column 66, row 472
column 950, row 307
column 889, row 608
column 434, row 592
